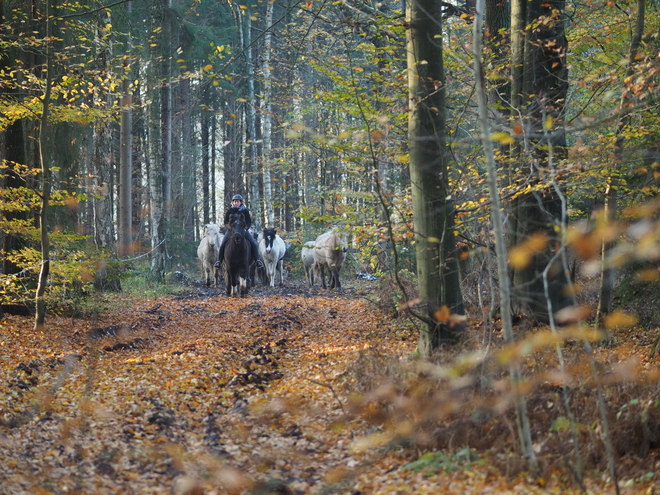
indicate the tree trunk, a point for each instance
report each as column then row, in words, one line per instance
column 206, row 176
column 539, row 90
column 266, row 116
column 40, row 314
column 522, row 417
column 188, row 189
column 126, row 155
column 102, row 152
column 433, row 212
column 610, row 209
column 252, row 167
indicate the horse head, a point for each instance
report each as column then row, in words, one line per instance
column 212, row 234
column 237, row 226
column 269, row 238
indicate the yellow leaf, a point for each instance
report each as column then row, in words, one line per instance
column 207, row 67
column 548, row 122
column 503, row 138
column 519, row 257
column 619, row 319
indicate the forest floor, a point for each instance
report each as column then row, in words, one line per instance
column 293, row 390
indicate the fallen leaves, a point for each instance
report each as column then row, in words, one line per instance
column 220, row 396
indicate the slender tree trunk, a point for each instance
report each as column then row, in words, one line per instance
column 522, row 417
column 166, row 110
column 188, row 189
column 252, row 167
column 213, row 157
column 433, row 213
column 266, row 116
column 102, row 151
column 206, row 175
column 40, row 316
column 126, row 154
column 160, row 182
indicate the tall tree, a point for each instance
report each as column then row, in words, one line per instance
column 126, row 151
column 610, row 207
column 433, row 211
column 267, row 116
column 538, row 95
column 40, row 313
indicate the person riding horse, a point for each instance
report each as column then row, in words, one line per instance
column 237, row 206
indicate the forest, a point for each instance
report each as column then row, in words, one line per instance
column 493, row 165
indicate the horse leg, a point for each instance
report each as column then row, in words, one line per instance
column 323, row 277
column 271, row 274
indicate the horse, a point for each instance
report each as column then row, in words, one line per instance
column 208, row 252
column 237, row 257
column 272, row 250
column 307, row 256
column 330, row 252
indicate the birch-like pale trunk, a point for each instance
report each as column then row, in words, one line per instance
column 252, row 182
column 40, row 302
column 266, row 117
column 524, row 429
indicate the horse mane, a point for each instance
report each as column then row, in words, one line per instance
column 234, row 216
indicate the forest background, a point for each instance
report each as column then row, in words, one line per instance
column 527, row 163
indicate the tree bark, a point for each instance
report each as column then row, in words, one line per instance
column 610, row 210
column 539, row 90
column 126, row 154
column 40, row 314
column 266, row 116
column 522, row 416
column 433, row 212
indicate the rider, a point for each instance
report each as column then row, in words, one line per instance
column 237, row 206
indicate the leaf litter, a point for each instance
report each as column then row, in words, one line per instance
column 284, row 391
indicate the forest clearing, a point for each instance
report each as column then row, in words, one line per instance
column 293, row 390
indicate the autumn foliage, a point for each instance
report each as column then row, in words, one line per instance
column 298, row 391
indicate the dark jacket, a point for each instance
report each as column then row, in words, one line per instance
column 241, row 209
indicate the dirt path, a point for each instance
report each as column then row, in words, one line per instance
column 204, row 394
column 199, row 389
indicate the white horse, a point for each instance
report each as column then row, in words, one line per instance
column 209, row 251
column 307, row 256
column 272, row 250
column 330, row 252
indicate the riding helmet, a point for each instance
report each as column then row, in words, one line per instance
column 237, row 196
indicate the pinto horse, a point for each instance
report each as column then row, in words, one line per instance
column 272, row 250
column 237, row 257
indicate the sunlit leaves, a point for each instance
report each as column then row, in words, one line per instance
column 619, row 319
column 521, row 255
column 503, row 138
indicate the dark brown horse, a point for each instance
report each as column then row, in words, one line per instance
column 237, row 257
